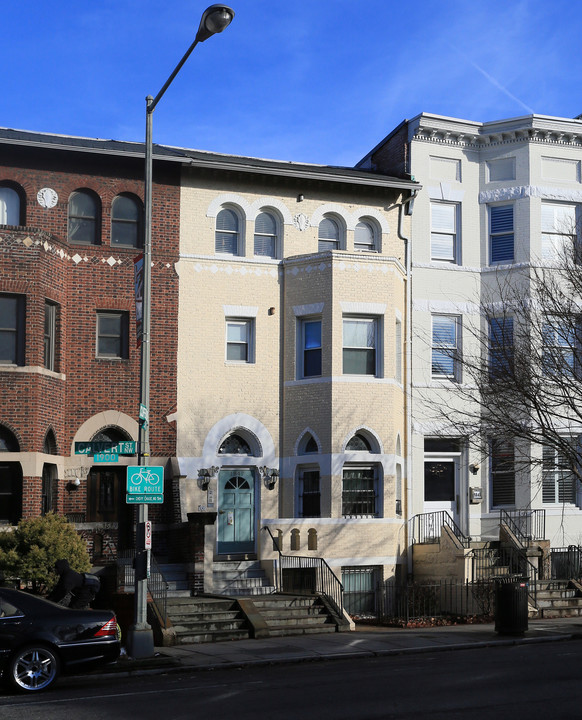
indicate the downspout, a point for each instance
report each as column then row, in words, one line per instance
column 408, row 357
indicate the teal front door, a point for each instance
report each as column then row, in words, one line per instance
column 236, row 511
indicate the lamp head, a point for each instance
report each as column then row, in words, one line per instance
column 214, row 20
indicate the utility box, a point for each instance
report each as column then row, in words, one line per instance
column 511, row 607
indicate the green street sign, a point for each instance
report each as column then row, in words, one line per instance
column 125, row 447
column 145, row 484
column 106, row 457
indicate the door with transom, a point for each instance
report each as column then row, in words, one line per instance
column 236, row 511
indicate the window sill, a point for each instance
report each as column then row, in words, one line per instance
column 32, row 370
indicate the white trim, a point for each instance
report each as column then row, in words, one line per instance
column 264, row 204
column 231, row 199
column 363, row 308
column 524, row 191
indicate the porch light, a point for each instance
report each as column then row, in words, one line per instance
column 270, row 476
column 205, row 475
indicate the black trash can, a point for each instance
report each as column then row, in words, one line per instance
column 511, row 607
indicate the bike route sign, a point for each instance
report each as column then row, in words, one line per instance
column 145, row 484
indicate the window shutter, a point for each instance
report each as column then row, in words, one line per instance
column 502, row 233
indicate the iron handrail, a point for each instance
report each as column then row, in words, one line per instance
column 504, row 564
column 429, row 526
column 156, row 582
column 526, row 525
column 327, row 583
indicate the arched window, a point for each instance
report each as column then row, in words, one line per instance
column 359, row 443
column 227, row 238
column 8, row 441
column 234, row 445
column 266, row 235
column 364, row 237
column 328, row 235
column 308, row 445
column 111, row 434
column 126, row 225
column 50, row 443
column 9, row 206
column 84, row 218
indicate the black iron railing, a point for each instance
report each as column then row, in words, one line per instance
column 301, row 574
column 566, row 563
column 427, row 528
column 156, row 582
column 526, row 525
column 504, row 563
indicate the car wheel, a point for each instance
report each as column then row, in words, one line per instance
column 33, row 668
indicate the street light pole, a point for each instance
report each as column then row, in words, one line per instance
column 215, row 19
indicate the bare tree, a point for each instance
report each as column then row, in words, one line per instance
column 522, row 378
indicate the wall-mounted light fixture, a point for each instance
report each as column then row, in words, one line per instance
column 205, row 475
column 474, row 468
column 73, row 484
column 270, row 476
column 300, row 197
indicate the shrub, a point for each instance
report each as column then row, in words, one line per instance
column 30, row 552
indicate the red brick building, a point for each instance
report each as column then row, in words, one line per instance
column 71, row 226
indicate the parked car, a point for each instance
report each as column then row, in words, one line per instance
column 40, row 639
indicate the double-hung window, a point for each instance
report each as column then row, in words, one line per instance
column 126, row 216
column 12, row 312
column 560, row 353
column 309, row 493
column 502, row 459
column 9, row 206
column 265, row 235
column 364, row 237
column 310, row 347
column 558, row 480
column 443, row 234
column 113, row 334
column 360, row 492
column 445, row 346
column 559, row 228
column 239, row 340
column 360, row 340
column 500, row 346
column 227, row 236
column 84, row 218
column 328, row 237
column 501, row 236
column 50, row 326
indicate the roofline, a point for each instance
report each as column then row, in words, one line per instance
column 213, row 161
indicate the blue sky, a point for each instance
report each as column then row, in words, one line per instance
column 317, row 81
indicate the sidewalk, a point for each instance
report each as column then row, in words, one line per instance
column 364, row 642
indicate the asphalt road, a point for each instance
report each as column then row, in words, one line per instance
column 524, row 681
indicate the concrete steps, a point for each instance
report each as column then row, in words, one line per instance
column 206, row 619
column 557, row 599
column 240, row 578
column 294, row 615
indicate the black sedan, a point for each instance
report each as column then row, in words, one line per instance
column 39, row 639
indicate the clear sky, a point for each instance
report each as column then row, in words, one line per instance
column 319, row 81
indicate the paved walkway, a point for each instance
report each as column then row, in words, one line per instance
column 366, row 641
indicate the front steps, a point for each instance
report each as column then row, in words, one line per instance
column 240, row 578
column 558, row 598
column 203, row 619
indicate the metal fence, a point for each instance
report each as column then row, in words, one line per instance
column 566, row 563
column 156, row 582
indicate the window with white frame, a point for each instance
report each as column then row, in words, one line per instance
column 309, row 360
column 364, row 237
column 112, row 334
column 12, row 329
column 500, row 346
column 502, row 466
column 328, row 237
column 360, row 492
column 309, row 493
column 559, row 228
column 239, row 340
column 227, row 236
column 446, row 346
column 560, row 347
column 266, row 235
column 360, row 341
column 9, row 206
column 501, row 234
column 50, row 326
column 558, row 480
column 444, row 235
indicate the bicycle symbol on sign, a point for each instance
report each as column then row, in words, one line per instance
column 145, row 480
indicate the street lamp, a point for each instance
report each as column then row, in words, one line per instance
column 140, row 637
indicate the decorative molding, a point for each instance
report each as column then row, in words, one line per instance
column 268, row 203
column 363, row 308
column 219, row 201
column 523, row 191
column 483, row 138
column 301, row 222
column 312, row 309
